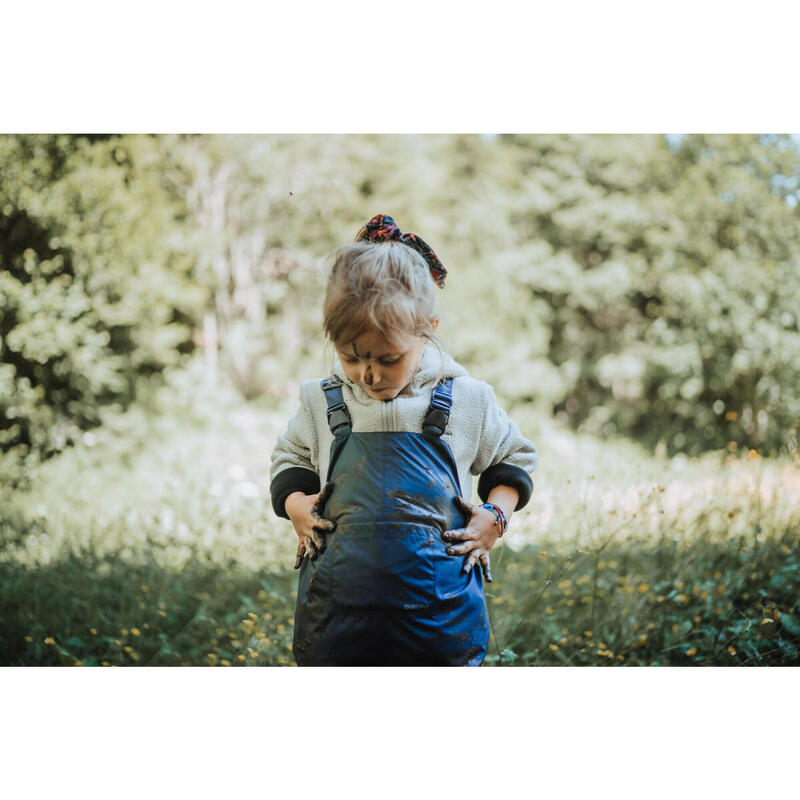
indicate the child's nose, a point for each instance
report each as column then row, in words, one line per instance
column 370, row 376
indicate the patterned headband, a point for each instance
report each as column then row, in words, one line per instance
column 382, row 228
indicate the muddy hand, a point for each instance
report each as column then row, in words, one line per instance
column 470, row 540
column 312, row 542
column 322, row 526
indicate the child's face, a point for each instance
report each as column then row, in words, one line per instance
column 381, row 367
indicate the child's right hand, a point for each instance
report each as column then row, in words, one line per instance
column 304, row 511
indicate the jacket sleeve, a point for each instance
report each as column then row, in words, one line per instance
column 505, row 457
column 294, row 461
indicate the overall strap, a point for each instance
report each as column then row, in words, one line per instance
column 439, row 411
column 338, row 416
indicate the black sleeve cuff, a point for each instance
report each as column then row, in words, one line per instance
column 293, row 479
column 506, row 475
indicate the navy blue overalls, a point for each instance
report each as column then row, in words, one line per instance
column 384, row 591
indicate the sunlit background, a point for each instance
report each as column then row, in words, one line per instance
column 633, row 299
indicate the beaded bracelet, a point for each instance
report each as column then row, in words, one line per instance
column 501, row 520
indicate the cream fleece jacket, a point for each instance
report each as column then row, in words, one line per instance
column 484, row 441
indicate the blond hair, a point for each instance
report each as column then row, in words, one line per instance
column 386, row 287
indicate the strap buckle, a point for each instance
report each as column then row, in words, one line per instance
column 439, row 410
column 339, row 420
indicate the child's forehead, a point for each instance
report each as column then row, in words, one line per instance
column 372, row 343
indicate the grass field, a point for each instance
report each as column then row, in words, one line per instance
column 153, row 542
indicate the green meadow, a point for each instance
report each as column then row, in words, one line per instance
column 152, row 542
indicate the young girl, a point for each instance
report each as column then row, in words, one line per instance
column 387, row 546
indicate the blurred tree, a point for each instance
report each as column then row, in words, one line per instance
column 672, row 280
column 643, row 285
column 95, row 283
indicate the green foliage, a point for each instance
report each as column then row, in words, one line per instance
column 96, row 289
column 669, row 282
column 693, row 601
column 641, row 285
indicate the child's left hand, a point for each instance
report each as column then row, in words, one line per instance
column 477, row 538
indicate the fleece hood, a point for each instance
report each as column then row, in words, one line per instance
column 433, row 364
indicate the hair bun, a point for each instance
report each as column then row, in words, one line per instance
column 382, row 228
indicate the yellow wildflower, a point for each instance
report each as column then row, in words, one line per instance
column 548, row 610
column 124, row 631
column 225, row 662
column 683, row 598
column 134, row 655
column 241, row 657
column 162, row 613
column 93, row 631
column 135, row 631
column 732, row 650
column 252, row 615
column 543, row 554
column 78, row 664
column 117, row 641
column 145, row 588
column 104, row 664
column 128, row 649
column 588, row 634
column 643, row 587
column 691, row 651
column 233, row 635
column 570, row 602
column 29, row 638
column 554, row 647
column 679, row 584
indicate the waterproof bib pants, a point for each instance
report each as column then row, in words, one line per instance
column 384, row 591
